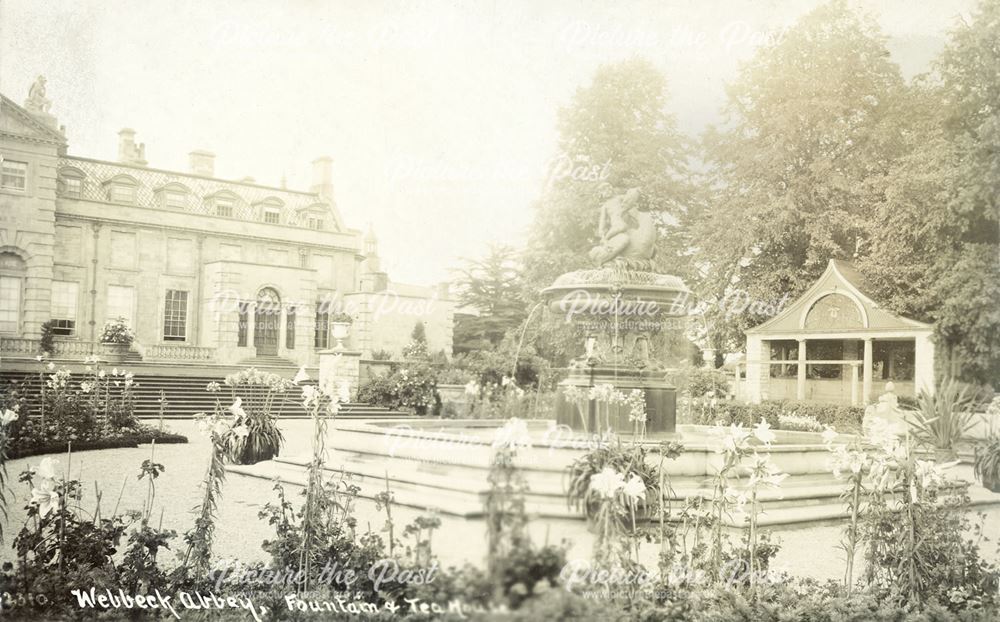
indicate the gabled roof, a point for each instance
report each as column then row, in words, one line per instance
column 19, row 124
column 863, row 312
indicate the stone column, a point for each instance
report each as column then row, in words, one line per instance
column 800, row 381
column 866, row 391
column 756, row 369
column 854, row 384
column 923, row 364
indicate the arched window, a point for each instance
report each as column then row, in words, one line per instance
column 834, row 311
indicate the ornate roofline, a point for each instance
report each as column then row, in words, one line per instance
column 54, row 136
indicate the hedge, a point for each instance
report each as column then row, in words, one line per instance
column 843, row 418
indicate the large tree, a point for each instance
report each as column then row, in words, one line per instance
column 617, row 131
column 934, row 250
column 810, row 121
column 491, row 287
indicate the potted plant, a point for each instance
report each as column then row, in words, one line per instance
column 117, row 338
column 987, row 464
column 341, row 324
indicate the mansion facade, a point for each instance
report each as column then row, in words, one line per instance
column 202, row 269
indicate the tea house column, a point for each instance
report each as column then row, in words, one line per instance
column 923, row 363
column 866, row 391
column 800, row 384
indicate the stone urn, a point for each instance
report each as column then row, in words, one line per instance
column 115, row 352
column 340, row 331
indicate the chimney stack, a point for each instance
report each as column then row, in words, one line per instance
column 323, row 177
column 202, row 163
column 128, row 151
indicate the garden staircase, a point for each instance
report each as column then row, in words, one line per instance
column 187, row 395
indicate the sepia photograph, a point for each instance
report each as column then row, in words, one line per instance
column 638, row 310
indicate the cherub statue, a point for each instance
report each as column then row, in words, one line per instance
column 628, row 234
column 37, row 101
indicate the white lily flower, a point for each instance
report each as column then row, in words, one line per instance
column 635, row 488
column 829, row 434
column 45, row 496
column 237, row 408
column 302, row 376
column 48, row 468
column 8, row 417
column 310, row 394
column 763, row 432
column 512, row 435
column 607, row 482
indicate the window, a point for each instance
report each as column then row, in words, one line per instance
column 175, row 199
column 272, row 216
column 62, row 310
column 121, row 301
column 122, row 193
column 10, row 304
column 290, row 328
column 825, row 350
column 315, row 223
column 785, row 350
column 322, row 337
column 224, row 206
column 175, row 316
column 72, row 186
column 15, row 175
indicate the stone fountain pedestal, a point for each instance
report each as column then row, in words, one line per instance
column 632, row 329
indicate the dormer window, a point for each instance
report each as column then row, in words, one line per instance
column 315, row 223
column 272, row 215
column 73, row 187
column 224, row 206
column 122, row 189
column 174, row 196
column 71, row 183
column 121, row 193
column 175, row 199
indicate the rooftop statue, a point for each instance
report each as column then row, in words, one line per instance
column 628, row 234
column 37, row 101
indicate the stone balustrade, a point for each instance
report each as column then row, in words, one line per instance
column 164, row 352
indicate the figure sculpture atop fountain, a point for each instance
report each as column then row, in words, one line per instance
column 628, row 234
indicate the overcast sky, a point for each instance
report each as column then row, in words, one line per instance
column 440, row 116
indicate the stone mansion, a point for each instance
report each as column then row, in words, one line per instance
column 206, row 271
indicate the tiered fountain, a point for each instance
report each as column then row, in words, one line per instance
column 629, row 318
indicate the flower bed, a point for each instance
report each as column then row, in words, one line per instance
column 141, row 435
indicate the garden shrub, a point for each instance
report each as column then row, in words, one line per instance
column 413, row 385
column 726, row 412
column 700, row 382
